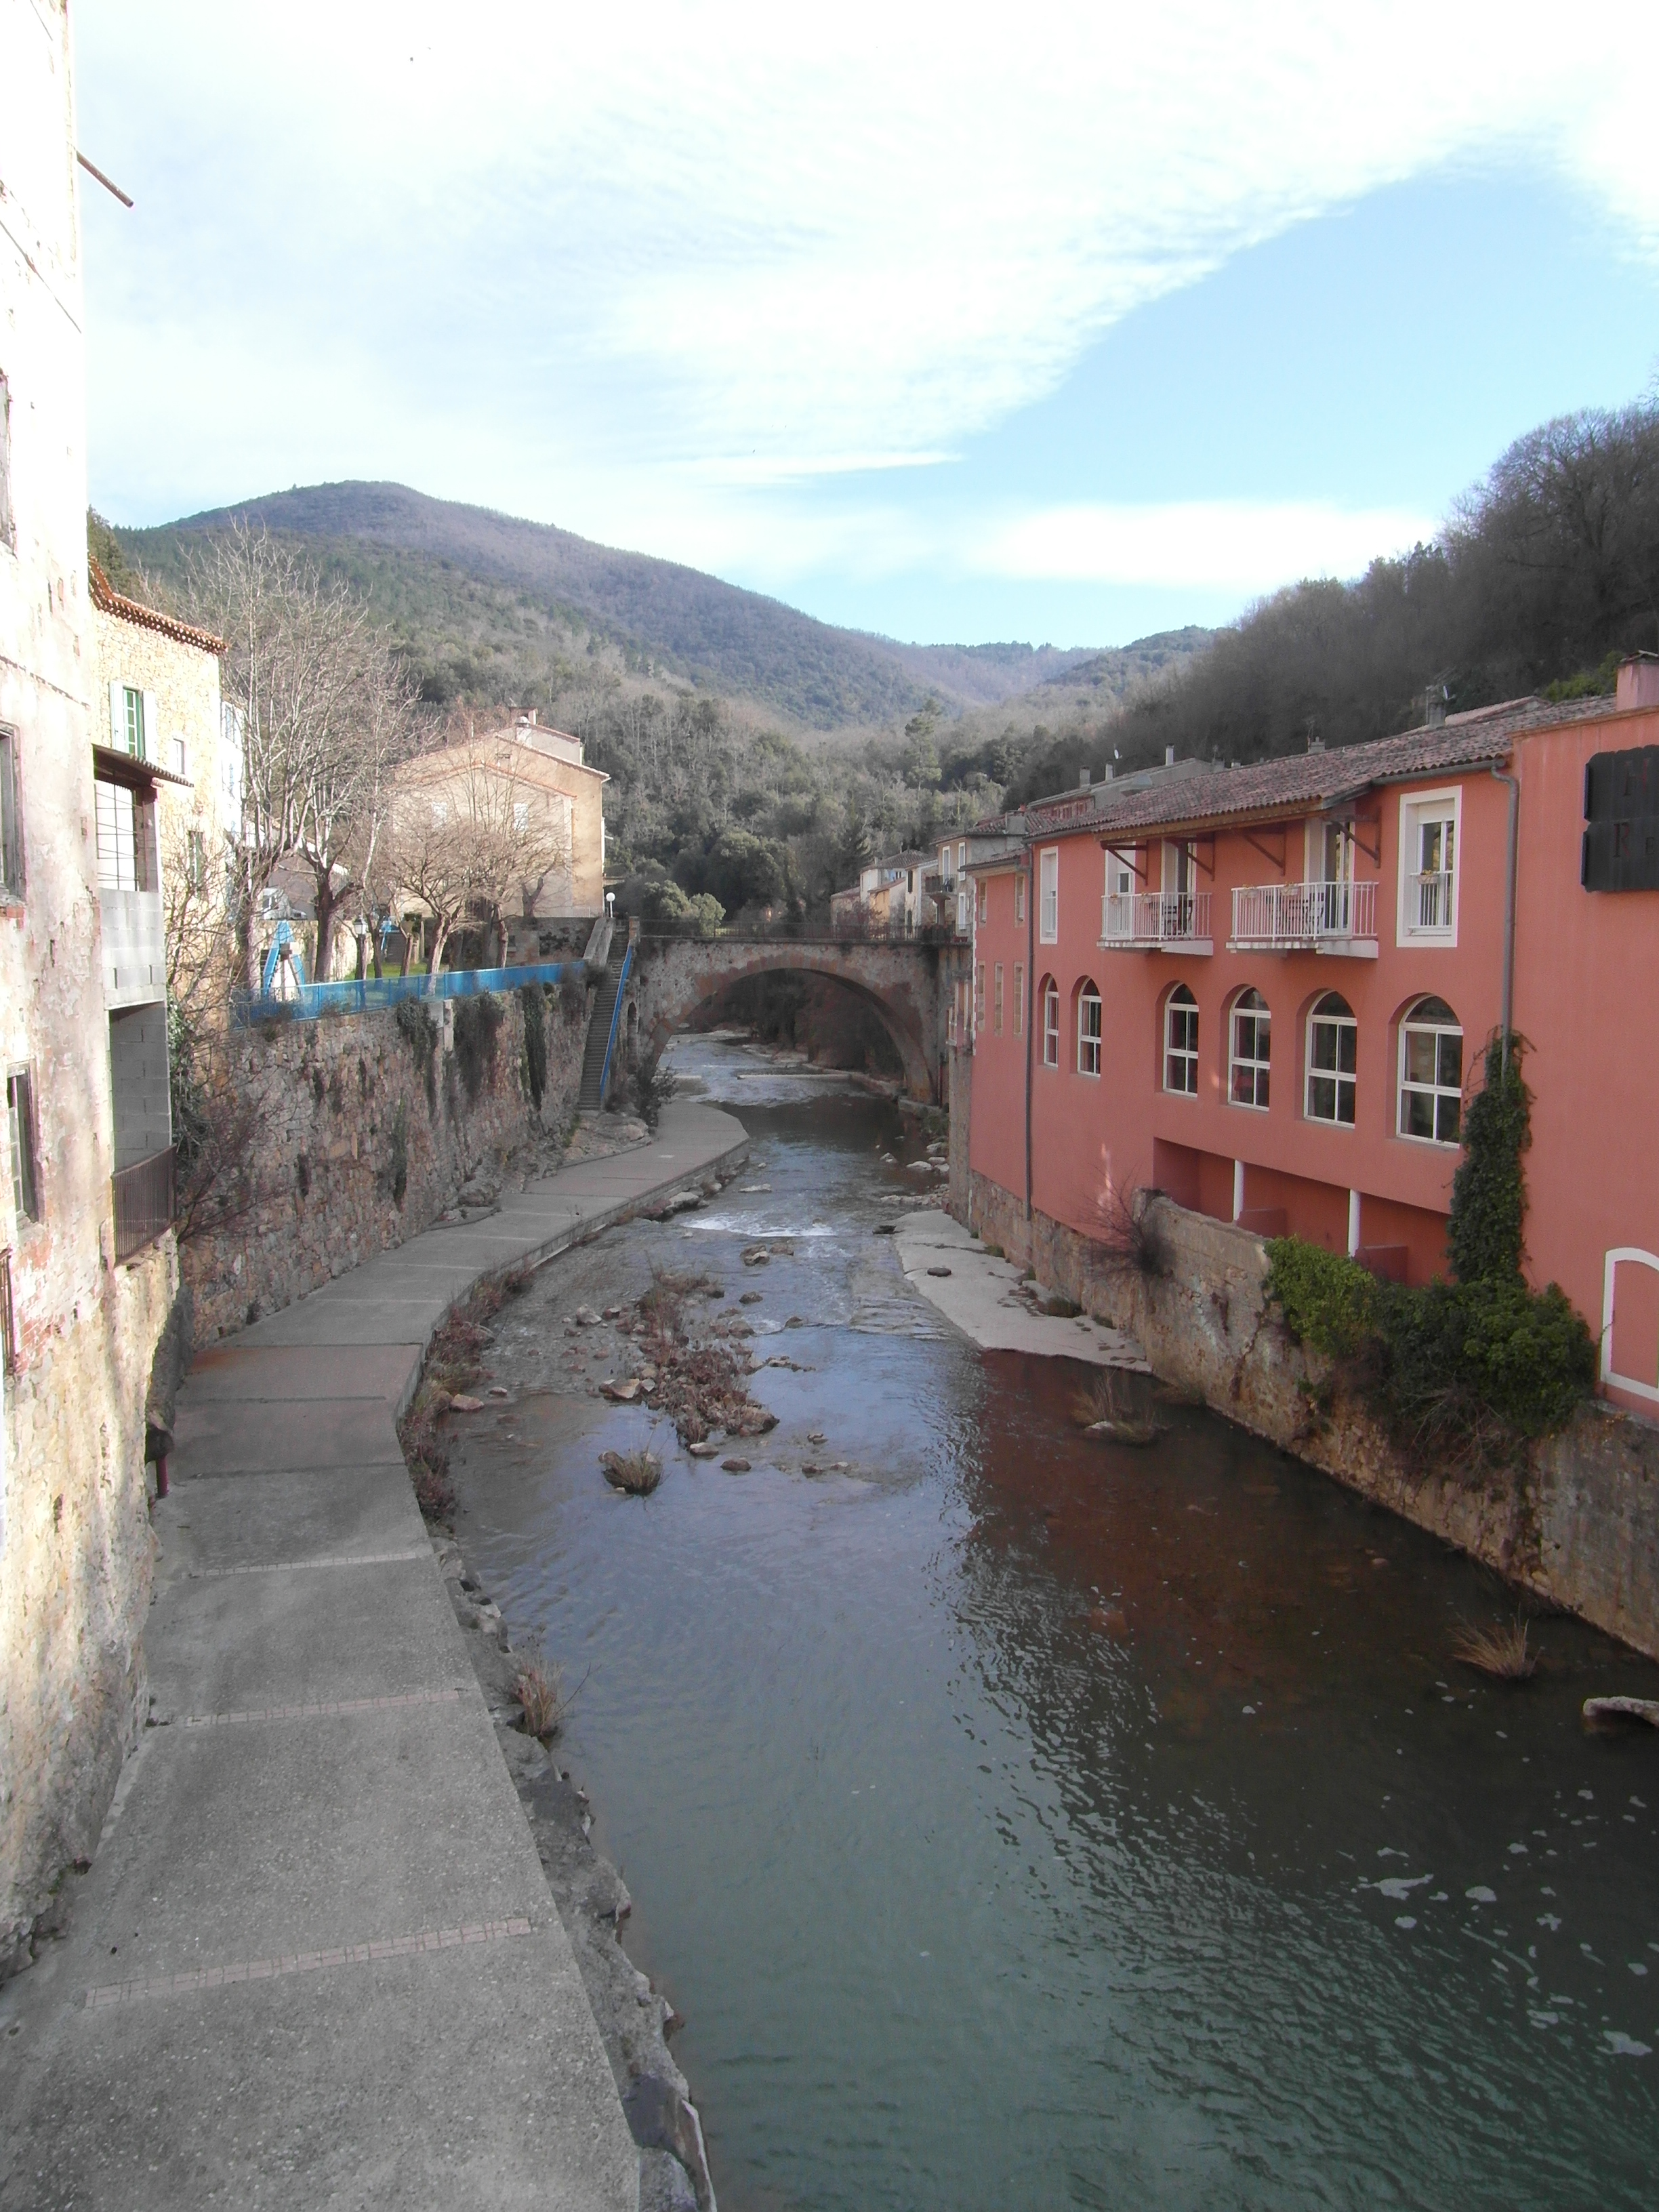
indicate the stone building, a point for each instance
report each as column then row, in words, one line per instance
column 82, row 1320
column 527, row 774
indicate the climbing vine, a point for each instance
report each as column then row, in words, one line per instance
column 532, row 999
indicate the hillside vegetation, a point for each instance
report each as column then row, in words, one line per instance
column 1546, row 575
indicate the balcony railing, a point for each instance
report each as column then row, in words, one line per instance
column 143, row 1203
column 1292, row 917
column 1433, row 901
column 1141, row 921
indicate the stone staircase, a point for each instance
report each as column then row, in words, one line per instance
column 589, row 1098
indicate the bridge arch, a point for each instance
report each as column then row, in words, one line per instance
column 900, row 982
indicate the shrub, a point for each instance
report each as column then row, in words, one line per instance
column 1489, row 1193
column 395, row 1174
column 651, row 1090
column 419, row 1033
column 476, row 1021
column 638, row 1473
column 530, row 998
column 1328, row 1301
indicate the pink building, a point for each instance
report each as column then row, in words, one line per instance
column 1266, row 991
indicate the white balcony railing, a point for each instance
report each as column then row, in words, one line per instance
column 1139, row 920
column 1433, row 901
column 1283, row 917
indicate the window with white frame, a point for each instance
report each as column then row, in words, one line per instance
column 1019, row 998
column 1428, row 866
column 1432, row 1073
column 1048, row 895
column 1251, row 1051
column 1020, row 898
column 126, row 839
column 1333, row 1060
column 996, row 998
column 1181, row 1042
column 21, row 1137
column 1120, row 875
column 1088, row 1031
column 1051, row 1023
column 984, row 902
column 979, row 996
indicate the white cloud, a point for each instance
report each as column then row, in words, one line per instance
column 1243, row 545
column 517, row 255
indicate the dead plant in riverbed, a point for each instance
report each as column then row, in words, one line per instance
column 539, row 1689
column 638, row 1473
column 1102, row 1409
column 1503, row 1653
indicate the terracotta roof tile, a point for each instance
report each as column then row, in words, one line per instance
column 111, row 602
column 1299, row 779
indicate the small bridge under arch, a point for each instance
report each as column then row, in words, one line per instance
column 907, row 984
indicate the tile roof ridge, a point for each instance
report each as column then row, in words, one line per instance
column 109, row 601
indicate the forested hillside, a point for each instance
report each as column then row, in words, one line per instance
column 1548, row 572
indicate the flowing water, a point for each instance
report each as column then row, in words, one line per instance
column 1019, row 1820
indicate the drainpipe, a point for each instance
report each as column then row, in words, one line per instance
column 1031, row 1013
column 1514, row 783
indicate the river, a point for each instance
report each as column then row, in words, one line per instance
column 1019, row 1820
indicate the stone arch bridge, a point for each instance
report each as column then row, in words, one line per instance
column 906, row 984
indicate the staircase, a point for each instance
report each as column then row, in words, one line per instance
column 589, row 1098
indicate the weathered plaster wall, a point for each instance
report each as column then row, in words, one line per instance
column 338, row 1111
column 1579, row 1526
column 74, row 1545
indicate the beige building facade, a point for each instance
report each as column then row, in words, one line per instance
column 82, row 1323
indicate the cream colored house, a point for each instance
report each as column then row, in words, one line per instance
column 523, row 785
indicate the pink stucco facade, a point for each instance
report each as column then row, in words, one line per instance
column 1343, row 1173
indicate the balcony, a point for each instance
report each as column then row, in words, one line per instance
column 143, row 1203
column 1338, row 918
column 1429, row 904
column 1156, row 921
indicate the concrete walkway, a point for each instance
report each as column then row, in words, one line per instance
column 315, row 1960
column 977, row 1293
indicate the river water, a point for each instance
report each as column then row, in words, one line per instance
column 1019, row 1820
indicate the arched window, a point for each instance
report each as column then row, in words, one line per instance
column 1050, row 1023
column 1088, row 1031
column 1181, row 1042
column 1246, row 1079
column 1432, row 1073
column 1332, row 1057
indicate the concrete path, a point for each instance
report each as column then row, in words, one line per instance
column 315, row 1960
column 978, row 1295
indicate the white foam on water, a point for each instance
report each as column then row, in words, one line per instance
column 1481, row 1895
column 1625, row 2046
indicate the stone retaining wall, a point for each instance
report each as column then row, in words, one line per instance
column 1578, row 1527
column 362, row 1139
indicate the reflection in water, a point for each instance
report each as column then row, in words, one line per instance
column 1023, row 1820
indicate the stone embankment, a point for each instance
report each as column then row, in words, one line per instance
column 361, row 1130
column 1576, row 1527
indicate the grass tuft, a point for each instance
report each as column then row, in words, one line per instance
column 539, row 1689
column 1503, row 1653
column 638, row 1473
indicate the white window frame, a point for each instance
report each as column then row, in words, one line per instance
column 1187, row 1054
column 984, row 909
column 1437, row 1089
column 1019, row 896
column 1090, row 1043
column 1627, row 1256
column 996, row 1000
column 1260, row 1070
column 1048, row 895
column 1051, row 1025
column 979, row 996
column 1019, row 998
column 1342, row 1080
column 1120, row 871
column 1436, row 806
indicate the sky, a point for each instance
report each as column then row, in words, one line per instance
column 1066, row 324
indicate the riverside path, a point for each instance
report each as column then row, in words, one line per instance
column 315, row 1959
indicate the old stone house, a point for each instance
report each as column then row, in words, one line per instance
column 83, row 1309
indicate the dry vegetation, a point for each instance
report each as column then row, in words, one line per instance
column 453, row 1363
column 638, row 1473
column 1103, row 1408
column 1504, row 1653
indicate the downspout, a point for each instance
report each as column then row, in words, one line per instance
column 1030, row 1010
column 1514, row 783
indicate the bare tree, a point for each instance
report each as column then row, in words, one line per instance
column 465, row 835
column 325, row 713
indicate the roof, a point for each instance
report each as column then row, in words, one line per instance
column 109, row 601
column 1299, row 781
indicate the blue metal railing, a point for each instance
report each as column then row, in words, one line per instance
column 312, row 1001
column 616, row 1016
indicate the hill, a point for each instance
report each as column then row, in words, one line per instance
column 491, row 609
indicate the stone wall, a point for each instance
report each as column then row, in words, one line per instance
column 362, row 1138
column 1578, row 1527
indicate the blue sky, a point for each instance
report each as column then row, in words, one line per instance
column 1070, row 339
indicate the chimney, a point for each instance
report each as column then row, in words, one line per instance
column 1639, row 682
column 1434, row 705
column 1106, row 776
column 1083, row 780
column 1169, row 755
